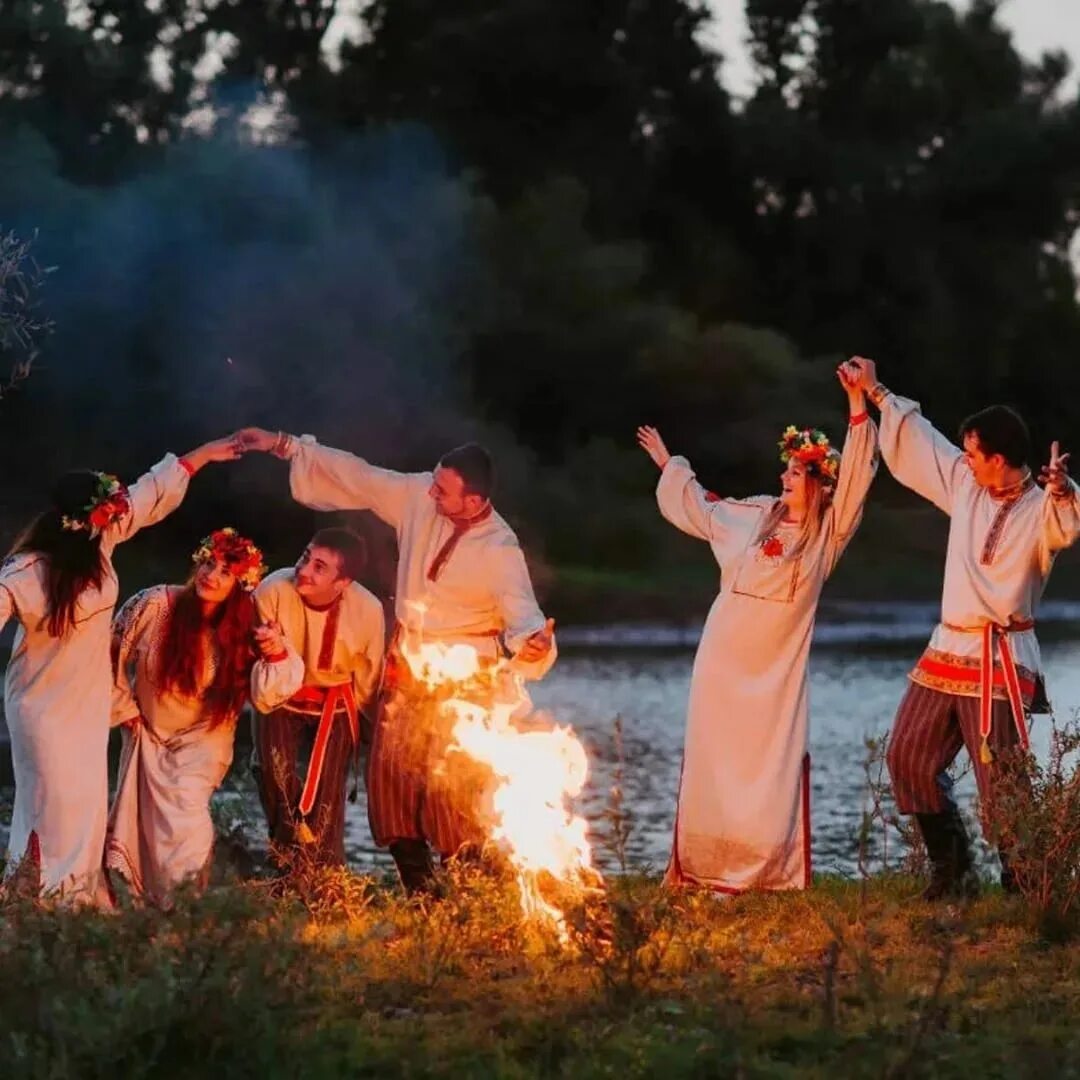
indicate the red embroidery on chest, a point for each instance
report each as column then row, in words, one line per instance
column 772, row 547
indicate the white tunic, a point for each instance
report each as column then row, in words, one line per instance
column 56, row 702
column 160, row 829
column 482, row 589
column 344, row 644
column 1000, row 552
column 742, row 817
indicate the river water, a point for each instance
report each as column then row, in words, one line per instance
column 641, row 676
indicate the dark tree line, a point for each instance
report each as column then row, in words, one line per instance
column 540, row 222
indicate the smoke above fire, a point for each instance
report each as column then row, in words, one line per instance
column 235, row 284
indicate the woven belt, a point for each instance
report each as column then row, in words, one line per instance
column 332, row 698
column 991, row 633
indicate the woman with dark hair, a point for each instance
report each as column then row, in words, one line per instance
column 59, row 583
column 188, row 658
column 743, row 811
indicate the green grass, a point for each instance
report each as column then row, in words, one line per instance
column 349, row 980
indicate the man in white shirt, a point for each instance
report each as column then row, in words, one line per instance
column 981, row 673
column 337, row 627
column 461, row 578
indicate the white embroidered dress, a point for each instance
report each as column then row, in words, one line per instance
column 743, row 812
column 56, row 703
column 160, row 829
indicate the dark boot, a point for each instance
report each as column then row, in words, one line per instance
column 951, row 869
column 414, row 866
column 1008, row 875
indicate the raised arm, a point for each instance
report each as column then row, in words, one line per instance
column 916, row 453
column 1061, row 508
column 858, row 464
column 682, row 500
column 323, row 478
column 157, row 493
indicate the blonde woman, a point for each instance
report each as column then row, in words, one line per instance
column 743, row 819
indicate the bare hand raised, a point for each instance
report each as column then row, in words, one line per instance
column 256, row 438
column 1055, row 474
column 867, row 372
column 850, row 376
column 649, row 440
column 227, row 449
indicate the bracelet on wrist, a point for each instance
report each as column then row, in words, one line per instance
column 877, row 393
column 282, row 445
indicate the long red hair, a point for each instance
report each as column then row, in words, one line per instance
column 190, row 633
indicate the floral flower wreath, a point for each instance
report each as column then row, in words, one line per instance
column 237, row 552
column 811, row 447
column 109, row 503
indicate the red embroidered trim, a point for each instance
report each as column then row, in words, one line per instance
column 859, row 418
column 807, row 860
column 278, row 657
column 938, row 669
column 187, row 466
column 711, row 497
column 997, row 527
column 329, row 637
column 459, row 530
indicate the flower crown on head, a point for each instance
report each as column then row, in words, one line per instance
column 811, row 448
column 109, row 503
column 237, row 552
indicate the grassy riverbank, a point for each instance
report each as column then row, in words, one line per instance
column 348, row 980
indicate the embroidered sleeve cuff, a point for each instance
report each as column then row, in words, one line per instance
column 859, row 418
column 187, row 466
column 878, row 393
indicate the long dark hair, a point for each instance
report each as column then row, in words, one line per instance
column 73, row 561
column 187, row 637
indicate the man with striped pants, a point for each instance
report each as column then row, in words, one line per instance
column 980, row 676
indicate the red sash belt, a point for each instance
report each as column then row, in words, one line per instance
column 332, row 699
column 992, row 633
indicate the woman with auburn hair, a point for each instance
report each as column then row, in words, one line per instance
column 743, row 817
column 59, row 583
column 188, row 658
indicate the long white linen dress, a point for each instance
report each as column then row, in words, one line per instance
column 57, row 693
column 743, row 813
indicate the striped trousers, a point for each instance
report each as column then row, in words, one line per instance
column 282, row 738
column 416, row 789
column 929, row 731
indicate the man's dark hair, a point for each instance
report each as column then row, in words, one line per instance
column 348, row 545
column 1001, row 430
column 474, row 465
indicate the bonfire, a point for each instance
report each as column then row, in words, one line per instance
column 532, row 770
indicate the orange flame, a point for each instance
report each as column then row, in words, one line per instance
column 536, row 771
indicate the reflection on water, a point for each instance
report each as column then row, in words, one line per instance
column 853, row 695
